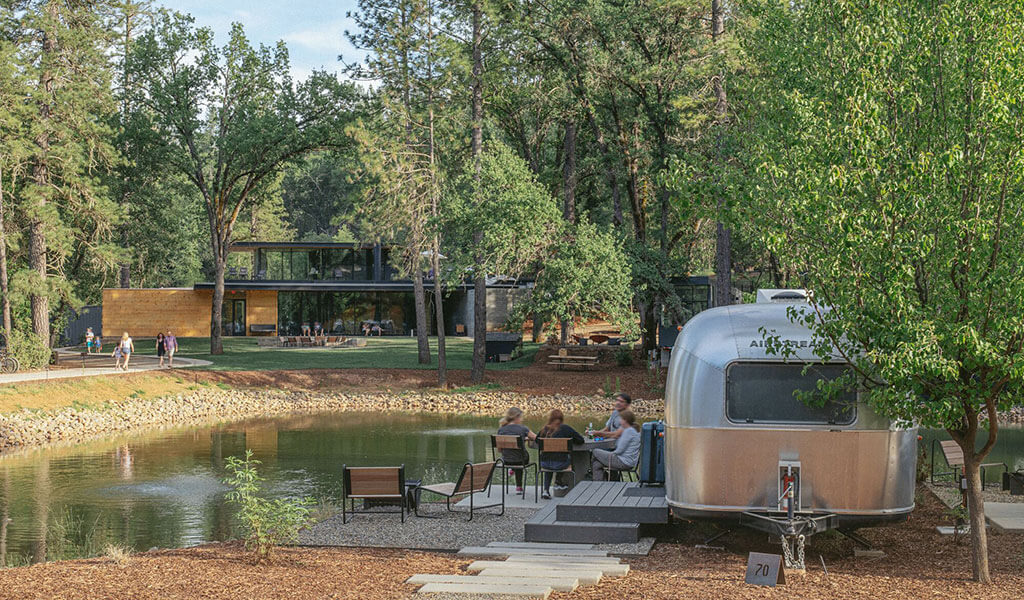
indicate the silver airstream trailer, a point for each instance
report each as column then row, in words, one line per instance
column 737, row 439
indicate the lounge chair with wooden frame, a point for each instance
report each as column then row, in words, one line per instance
column 557, row 445
column 954, row 456
column 514, row 442
column 475, row 478
column 373, row 483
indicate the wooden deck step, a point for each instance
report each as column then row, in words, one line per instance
column 558, row 584
column 544, row 526
column 540, row 545
column 492, row 551
column 610, row 502
column 557, row 559
column 610, row 570
column 583, row 577
column 484, row 589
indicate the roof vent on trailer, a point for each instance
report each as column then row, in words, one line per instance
column 777, row 296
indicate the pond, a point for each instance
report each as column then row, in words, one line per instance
column 164, row 488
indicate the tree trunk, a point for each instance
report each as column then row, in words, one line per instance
column 538, row 328
column 39, row 298
column 5, row 294
column 479, row 275
column 442, row 355
column 568, row 198
column 217, row 309
column 976, row 508
column 723, row 236
column 422, row 327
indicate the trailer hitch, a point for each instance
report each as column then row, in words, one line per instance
column 793, row 529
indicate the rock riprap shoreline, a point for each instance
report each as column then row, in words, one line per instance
column 73, row 424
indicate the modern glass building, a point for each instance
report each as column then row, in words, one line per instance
column 280, row 287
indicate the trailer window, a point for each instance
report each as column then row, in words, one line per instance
column 765, row 393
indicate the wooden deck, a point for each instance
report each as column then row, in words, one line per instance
column 599, row 512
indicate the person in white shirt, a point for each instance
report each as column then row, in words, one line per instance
column 627, row 449
column 613, row 428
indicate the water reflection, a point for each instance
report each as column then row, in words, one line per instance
column 164, row 489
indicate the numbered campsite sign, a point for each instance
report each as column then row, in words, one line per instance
column 765, row 569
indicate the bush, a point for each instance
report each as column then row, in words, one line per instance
column 624, row 356
column 30, row 350
column 265, row 523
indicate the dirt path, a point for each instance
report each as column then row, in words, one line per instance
column 538, row 378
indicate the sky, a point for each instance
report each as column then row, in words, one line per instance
column 313, row 30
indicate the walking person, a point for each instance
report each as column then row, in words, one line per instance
column 90, row 340
column 127, row 347
column 171, row 346
column 116, row 355
column 161, row 348
column 556, row 461
column 627, row 449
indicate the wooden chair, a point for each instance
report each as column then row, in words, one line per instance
column 557, row 445
column 954, row 456
column 514, row 442
column 372, row 483
column 473, row 479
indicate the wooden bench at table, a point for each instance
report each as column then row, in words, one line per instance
column 573, row 361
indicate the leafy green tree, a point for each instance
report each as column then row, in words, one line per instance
column 890, row 137
column 586, row 276
column 519, row 221
column 67, row 212
column 229, row 119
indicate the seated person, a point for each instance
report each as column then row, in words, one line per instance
column 366, row 328
column 512, row 424
column 556, row 461
column 627, row 449
column 318, row 329
column 305, row 329
column 613, row 427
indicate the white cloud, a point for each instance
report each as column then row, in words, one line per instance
column 328, row 38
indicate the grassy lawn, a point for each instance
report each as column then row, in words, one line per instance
column 89, row 392
column 243, row 354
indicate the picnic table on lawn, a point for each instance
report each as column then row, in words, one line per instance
column 572, row 361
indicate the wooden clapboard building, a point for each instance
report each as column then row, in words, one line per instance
column 276, row 287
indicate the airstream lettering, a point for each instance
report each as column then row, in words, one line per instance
column 738, row 441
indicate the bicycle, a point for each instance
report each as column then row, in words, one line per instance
column 8, row 363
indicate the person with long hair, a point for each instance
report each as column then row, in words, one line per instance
column 127, row 347
column 161, row 348
column 556, row 461
column 627, row 449
column 512, row 424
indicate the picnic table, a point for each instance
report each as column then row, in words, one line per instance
column 572, row 361
column 581, row 455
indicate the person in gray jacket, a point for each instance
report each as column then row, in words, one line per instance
column 627, row 449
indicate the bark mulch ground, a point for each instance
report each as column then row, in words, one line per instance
column 919, row 563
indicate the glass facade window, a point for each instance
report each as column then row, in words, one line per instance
column 321, row 264
column 766, row 393
column 357, row 313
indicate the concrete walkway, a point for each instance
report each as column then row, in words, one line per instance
column 1007, row 517
column 94, row 365
column 530, row 570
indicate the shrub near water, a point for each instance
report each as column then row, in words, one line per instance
column 265, row 523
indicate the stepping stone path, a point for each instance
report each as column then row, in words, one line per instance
column 529, row 570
